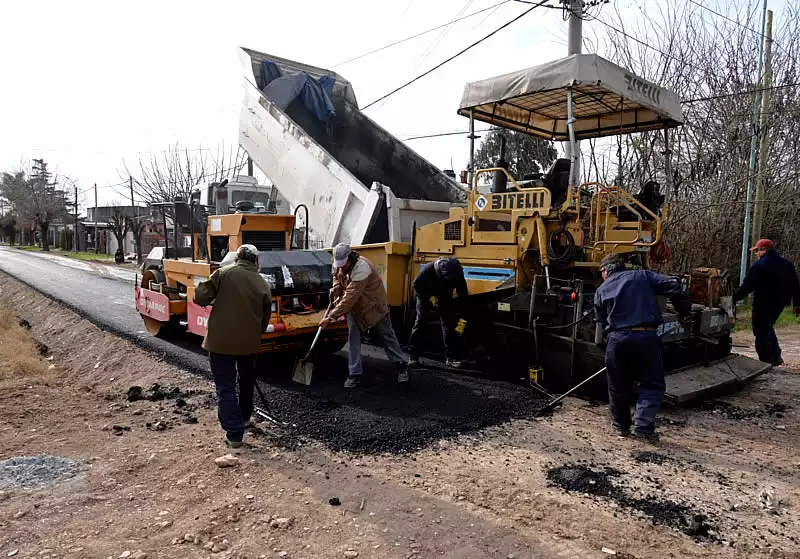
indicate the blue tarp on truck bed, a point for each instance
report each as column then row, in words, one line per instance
column 283, row 89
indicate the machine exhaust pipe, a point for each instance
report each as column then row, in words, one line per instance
column 500, row 179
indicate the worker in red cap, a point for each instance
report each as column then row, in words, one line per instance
column 774, row 284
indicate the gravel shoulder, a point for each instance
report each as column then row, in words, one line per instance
column 150, row 484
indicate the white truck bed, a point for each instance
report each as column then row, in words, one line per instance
column 360, row 183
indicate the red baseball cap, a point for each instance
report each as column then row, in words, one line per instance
column 765, row 244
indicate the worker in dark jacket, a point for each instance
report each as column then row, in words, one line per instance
column 774, row 283
column 627, row 308
column 436, row 284
column 242, row 306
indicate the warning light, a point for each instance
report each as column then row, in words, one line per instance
column 573, row 297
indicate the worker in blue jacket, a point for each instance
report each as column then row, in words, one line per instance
column 626, row 305
column 435, row 285
column 774, row 284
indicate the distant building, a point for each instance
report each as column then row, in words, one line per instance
column 99, row 218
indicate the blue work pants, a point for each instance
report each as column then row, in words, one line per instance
column 635, row 356
column 234, row 410
column 767, row 346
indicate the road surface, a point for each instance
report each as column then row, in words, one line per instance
column 102, row 294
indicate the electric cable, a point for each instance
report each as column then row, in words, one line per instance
column 459, row 53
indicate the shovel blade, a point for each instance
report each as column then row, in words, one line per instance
column 302, row 372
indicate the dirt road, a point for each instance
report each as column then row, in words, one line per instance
column 142, row 481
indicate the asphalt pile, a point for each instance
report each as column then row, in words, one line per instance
column 35, row 472
column 382, row 416
column 649, row 457
column 156, row 393
column 730, row 411
column 597, row 481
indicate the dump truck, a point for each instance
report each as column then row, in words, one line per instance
column 530, row 246
column 302, row 127
column 299, row 280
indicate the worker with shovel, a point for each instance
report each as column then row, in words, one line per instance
column 626, row 306
column 242, row 306
column 435, row 285
column 365, row 304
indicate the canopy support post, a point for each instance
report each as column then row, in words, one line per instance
column 471, row 147
column 574, row 152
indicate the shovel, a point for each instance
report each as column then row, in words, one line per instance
column 303, row 368
column 555, row 401
column 265, row 412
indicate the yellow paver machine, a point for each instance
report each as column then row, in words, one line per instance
column 531, row 248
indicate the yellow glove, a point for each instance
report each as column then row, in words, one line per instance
column 461, row 325
column 434, row 301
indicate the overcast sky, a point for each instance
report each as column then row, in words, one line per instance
column 88, row 84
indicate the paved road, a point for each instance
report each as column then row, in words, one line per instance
column 102, row 294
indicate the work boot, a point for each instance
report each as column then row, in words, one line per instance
column 233, row 441
column 651, row 438
column 402, row 376
column 352, row 381
column 622, row 433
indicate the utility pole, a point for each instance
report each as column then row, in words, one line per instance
column 748, row 209
column 96, row 244
column 75, row 225
column 135, row 219
column 763, row 146
column 575, row 46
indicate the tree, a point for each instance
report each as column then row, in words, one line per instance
column 137, row 226
column 525, row 154
column 119, row 227
column 175, row 172
column 711, row 60
column 8, row 227
column 35, row 198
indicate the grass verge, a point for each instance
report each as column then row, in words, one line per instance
column 77, row 255
column 20, row 361
column 745, row 313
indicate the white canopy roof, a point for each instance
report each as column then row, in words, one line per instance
column 608, row 100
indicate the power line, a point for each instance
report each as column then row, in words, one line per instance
column 443, row 34
column 727, row 95
column 441, row 134
column 420, row 34
column 479, row 41
column 644, row 44
column 743, row 26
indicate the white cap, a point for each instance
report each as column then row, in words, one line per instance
column 248, row 249
column 340, row 254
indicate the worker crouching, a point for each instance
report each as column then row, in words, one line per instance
column 242, row 306
column 435, row 284
column 627, row 308
column 365, row 304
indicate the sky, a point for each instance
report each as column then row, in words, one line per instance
column 89, row 85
